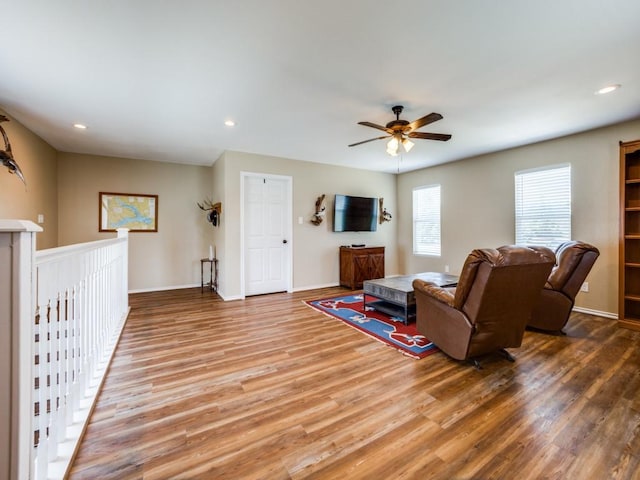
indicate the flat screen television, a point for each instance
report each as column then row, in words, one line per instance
column 355, row 214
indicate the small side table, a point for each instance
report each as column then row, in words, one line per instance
column 213, row 274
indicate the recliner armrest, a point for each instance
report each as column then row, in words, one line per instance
column 441, row 294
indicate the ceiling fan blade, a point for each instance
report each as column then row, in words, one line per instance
column 379, row 127
column 430, row 136
column 426, row 120
column 370, row 140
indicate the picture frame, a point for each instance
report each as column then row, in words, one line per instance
column 136, row 211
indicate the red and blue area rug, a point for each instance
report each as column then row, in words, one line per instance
column 382, row 327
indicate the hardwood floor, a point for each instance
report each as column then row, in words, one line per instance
column 268, row 388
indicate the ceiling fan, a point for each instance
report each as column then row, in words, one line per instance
column 400, row 131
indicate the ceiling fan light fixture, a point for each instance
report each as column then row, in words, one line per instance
column 407, row 144
column 392, row 146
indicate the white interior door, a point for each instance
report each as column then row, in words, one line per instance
column 267, row 233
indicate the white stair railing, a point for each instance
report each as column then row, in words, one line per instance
column 78, row 303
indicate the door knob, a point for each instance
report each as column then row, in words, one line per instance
column 284, row 241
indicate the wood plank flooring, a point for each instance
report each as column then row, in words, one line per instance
column 267, row 388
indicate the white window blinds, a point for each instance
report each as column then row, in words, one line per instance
column 543, row 206
column 426, row 220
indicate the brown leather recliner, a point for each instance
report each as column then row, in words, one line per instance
column 573, row 263
column 491, row 305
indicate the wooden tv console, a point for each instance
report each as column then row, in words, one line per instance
column 358, row 264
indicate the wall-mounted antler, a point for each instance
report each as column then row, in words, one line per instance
column 6, row 156
column 214, row 210
column 320, row 211
column 385, row 216
column 206, row 205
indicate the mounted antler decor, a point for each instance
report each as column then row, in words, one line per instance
column 214, row 211
column 320, row 211
column 7, row 157
column 385, row 216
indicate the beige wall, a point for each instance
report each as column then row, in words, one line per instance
column 37, row 160
column 168, row 258
column 216, row 235
column 65, row 186
column 477, row 196
column 478, row 204
column 315, row 248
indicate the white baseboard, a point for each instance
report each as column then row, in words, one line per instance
column 221, row 294
column 313, row 287
column 228, row 299
column 298, row 289
column 160, row 289
column 598, row 313
column 588, row 311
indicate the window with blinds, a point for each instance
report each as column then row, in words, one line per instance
column 543, row 206
column 426, row 220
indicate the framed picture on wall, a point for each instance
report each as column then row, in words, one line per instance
column 137, row 212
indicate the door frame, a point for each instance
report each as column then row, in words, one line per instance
column 288, row 227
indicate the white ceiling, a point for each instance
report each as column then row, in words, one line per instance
column 156, row 79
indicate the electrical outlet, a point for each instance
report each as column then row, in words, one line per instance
column 40, row 218
column 584, row 287
column 446, row 269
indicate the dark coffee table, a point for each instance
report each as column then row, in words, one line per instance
column 395, row 296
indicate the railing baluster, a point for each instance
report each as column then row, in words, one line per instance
column 39, row 394
column 75, row 351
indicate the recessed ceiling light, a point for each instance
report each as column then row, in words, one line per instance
column 80, row 126
column 607, row 89
column 229, row 123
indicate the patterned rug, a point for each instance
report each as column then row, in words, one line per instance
column 386, row 329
